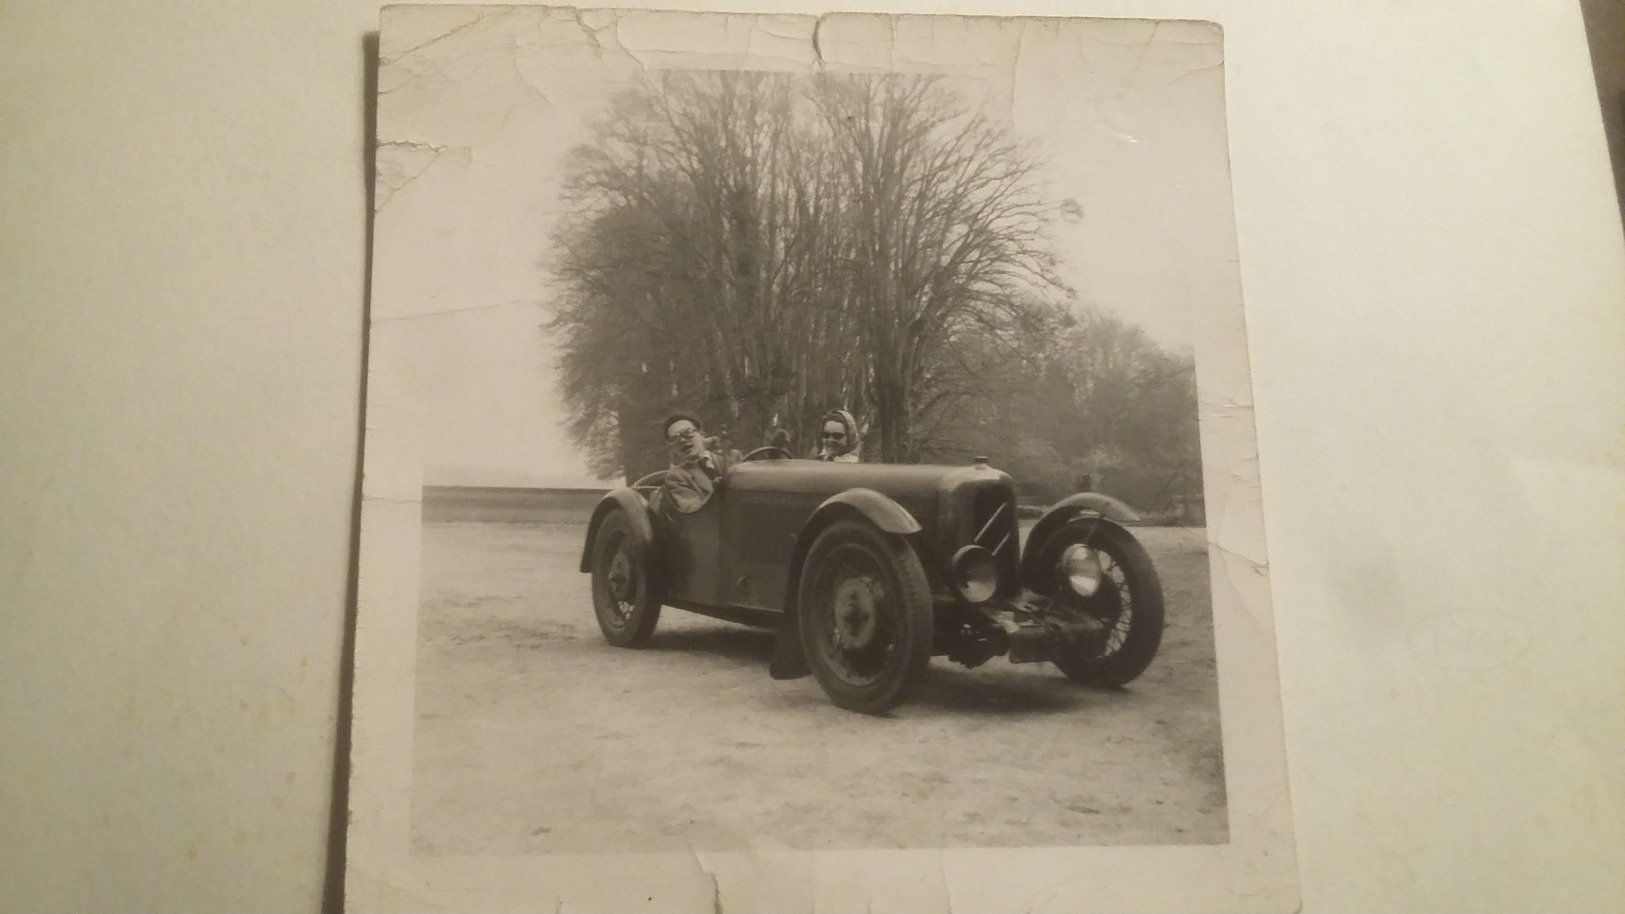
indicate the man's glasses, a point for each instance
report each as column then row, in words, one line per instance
column 678, row 437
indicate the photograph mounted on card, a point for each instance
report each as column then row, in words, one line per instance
column 810, row 464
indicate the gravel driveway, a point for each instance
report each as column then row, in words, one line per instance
column 533, row 736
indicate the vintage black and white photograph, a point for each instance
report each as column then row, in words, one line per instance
column 803, row 435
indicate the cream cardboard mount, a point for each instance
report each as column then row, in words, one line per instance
column 583, row 217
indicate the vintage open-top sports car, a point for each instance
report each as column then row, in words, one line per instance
column 867, row 571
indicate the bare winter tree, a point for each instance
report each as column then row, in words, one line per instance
column 681, row 268
column 946, row 237
column 763, row 248
column 768, row 247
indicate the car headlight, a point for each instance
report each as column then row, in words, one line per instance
column 1080, row 569
column 976, row 575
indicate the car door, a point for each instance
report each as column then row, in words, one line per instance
column 693, row 553
column 759, row 535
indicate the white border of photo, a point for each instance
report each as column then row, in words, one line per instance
column 1256, row 870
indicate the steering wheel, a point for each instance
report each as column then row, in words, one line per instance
column 653, row 479
column 769, row 452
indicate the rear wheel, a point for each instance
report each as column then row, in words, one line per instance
column 1126, row 599
column 864, row 611
column 624, row 596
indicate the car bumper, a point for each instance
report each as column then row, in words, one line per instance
column 1033, row 628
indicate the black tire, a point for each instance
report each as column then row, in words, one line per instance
column 863, row 605
column 1129, row 602
column 625, row 597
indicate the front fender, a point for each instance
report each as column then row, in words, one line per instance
column 1062, row 513
column 628, row 501
column 1104, row 505
column 789, row 655
column 876, row 508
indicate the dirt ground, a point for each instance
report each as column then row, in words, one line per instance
column 534, row 736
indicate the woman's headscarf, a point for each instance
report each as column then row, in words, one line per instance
column 850, row 454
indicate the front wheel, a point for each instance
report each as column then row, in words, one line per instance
column 1096, row 567
column 864, row 610
column 624, row 595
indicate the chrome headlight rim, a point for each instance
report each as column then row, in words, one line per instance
column 1080, row 570
column 975, row 574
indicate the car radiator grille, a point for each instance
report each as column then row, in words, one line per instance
column 994, row 528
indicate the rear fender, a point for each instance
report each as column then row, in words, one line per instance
column 1063, row 512
column 636, row 509
column 789, row 655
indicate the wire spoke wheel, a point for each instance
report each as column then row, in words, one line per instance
column 860, row 636
column 864, row 609
column 622, row 579
column 1113, row 605
column 623, row 591
column 1127, row 601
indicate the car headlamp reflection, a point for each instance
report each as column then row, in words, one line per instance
column 976, row 575
column 1080, row 568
